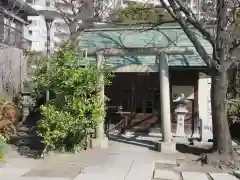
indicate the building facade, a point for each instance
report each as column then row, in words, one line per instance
column 14, row 42
column 59, row 29
column 141, row 96
column 37, row 26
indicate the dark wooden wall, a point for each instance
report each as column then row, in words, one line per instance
column 138, row 94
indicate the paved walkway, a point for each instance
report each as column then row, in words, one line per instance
column 120, row 161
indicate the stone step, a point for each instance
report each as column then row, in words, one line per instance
column 165, row 164
column 171, row 175
column 23, row 135
column 172, row 161
column 25, row 129
column 222, row 176
column 165, row 175
column 29, row 140
column 154, row 130
column 194, row 176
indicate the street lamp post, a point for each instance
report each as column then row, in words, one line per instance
column 49, row 15
column 48, row 25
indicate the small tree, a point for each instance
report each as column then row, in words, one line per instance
column 140, row 13
column 81, row 14
column 72, row 113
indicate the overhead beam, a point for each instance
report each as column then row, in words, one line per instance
column 142, row 51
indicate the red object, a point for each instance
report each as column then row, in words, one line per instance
column 11, row 115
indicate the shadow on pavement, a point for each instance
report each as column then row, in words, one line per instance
column 27, row 142
column 189, row 149
column 134, row 141
column 184, row 148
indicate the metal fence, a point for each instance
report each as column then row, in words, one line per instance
column 14, row 37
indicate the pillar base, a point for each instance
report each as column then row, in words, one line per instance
column 166, row 147
column 99, row 143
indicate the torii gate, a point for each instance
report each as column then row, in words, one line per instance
column 161, row 53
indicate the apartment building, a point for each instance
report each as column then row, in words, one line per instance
column 37, row 27
column 60, row 31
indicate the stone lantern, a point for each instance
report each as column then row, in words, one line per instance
column 180, row 112
column 26, row 101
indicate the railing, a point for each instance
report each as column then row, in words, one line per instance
column 14, row 37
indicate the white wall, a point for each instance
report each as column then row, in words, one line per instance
column 38, row 35
column 204, row 106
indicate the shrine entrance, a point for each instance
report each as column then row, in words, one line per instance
column 137, row 93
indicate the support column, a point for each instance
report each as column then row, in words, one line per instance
column 100, row 141
column 166, row 145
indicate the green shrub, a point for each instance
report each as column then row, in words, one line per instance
column 141, row 13
column 2, row 147
column 73, row 113
column 234, row 111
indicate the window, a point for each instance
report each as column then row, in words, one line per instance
column 35, row 33
column 48, row 3
column 33, row 22
column 6, row 33
column 36, row 44
column 10, row 31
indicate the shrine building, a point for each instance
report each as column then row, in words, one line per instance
column 136, row 87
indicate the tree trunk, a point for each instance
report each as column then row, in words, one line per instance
column 221, row 133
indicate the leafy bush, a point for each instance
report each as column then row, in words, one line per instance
column 9, row 117
column 234, row 111
column 140, row 13
column 2, row 146
column 73, row 111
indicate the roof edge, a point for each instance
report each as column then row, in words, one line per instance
column 113, row 27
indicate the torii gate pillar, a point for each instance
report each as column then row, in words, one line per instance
column 166, row 145
column 101, row 140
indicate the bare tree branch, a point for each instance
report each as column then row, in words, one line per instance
column 80, row 14
column 175, row 12
column 191, row 18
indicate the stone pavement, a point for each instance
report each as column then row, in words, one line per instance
column 120, row 161
column 171, row 175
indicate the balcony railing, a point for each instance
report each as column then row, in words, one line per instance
column 14, row 37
